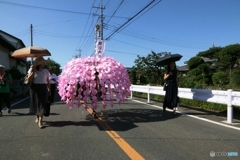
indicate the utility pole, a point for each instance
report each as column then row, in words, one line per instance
column 79, row 54
column 99, row 41
column 99, row 27
column 101, row 21
column 31, row 30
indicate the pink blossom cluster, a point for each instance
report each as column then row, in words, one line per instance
column 77, row 82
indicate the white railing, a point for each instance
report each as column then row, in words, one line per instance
column 229, row 97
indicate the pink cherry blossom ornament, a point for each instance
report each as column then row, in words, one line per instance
column 78, row 82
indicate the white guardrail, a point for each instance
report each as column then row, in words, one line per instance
column 229, row 97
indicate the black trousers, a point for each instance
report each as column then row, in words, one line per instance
column 53, row 90
column 6, row 98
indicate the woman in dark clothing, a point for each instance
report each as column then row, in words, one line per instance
column 171, row 95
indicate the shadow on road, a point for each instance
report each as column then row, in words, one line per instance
column 126, row 119
column 68, row 123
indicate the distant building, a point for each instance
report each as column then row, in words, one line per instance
column 183, row 69
column 129, row 69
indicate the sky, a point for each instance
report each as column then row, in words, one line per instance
column 67, row 27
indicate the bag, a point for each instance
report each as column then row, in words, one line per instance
column 28, row 79
column 165, row 86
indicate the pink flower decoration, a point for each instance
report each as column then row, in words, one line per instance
column 77, row 82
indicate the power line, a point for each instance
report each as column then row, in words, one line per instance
column 90, row 32
column 115, row 11
column 165, row 41
column 143, row 35
column 132, row 44
column 58, row 35
column 121, row 52
column 51, row 9
column 82, row 41
column 130, row 19
column 143, row 13
column 65, row 21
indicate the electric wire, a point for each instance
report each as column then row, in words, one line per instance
column 85, row 44
column 83, row 40
column 130, row 19
column 51, row 9
column 58, row 35
column 64, row 21
column 119, row 5
column 141, row 14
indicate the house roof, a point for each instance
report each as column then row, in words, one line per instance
column 208, row 59
column 183, row 68
column 19, row 40
column 129, row 69
column 4, row 42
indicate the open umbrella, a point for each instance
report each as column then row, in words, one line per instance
column 31, row 51
column 168, row 58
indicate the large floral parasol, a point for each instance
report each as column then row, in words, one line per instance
column 77, row 82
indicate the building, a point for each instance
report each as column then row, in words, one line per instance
column 8, row 44
column 183, row 69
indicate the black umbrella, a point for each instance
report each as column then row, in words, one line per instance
column 168, row 58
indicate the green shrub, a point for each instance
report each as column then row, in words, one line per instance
column 235, row 79
column 220, row 78
column 15, row 73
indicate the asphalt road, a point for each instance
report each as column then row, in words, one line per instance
column 133, row 130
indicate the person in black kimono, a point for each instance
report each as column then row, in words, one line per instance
column 171, row 94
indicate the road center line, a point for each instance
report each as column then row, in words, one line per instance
column 131, row 152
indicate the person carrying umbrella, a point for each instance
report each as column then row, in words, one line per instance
column 40, row 89
column 171, row 94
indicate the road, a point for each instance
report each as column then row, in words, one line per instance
column 132, row 130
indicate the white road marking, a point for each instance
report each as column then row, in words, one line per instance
column 192, row 116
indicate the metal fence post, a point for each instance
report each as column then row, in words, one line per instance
column 148, row 93
column 131, row 92
column 229, row 106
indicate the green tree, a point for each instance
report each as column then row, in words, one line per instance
column 235, row 78
column 147, row 68
column 210, row 53
column 51, row 64
column 220, row 79
column 186, row 82
column 194, row 62
column 199, row 74
column 133, row 76
column 228, row 56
